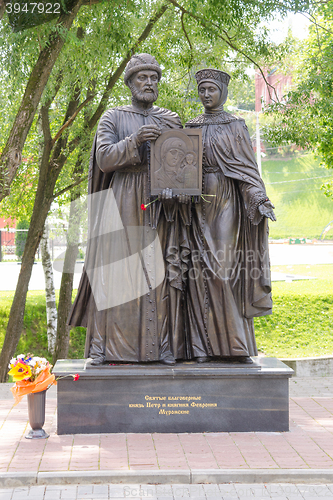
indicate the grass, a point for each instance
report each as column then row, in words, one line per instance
column 293, row 184
column 34, row 336
column 301, row 324
column 302, row 321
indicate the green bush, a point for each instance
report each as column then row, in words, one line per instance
column 21, row 237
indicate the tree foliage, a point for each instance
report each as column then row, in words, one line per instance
column 88, row 57
column 305, row 116
column 189, row 35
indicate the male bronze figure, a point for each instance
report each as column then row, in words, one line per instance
column 130, row 294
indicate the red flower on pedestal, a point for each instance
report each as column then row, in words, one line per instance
column 76, row 377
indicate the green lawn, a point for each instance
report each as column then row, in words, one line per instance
column 293, row 184
column 302, row 321
column 301, row 324
column 34, row 337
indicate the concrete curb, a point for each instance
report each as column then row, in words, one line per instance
column 115, row 477
column 298, row 476
column 17, row 479
column 209, row 476
column 321, row 366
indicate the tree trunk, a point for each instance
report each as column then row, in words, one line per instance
column 43, row 200
column 12, row 153
column 67, row 278
column 15, row 322
column 51, row 308
column 49, row 172
column 2, row 8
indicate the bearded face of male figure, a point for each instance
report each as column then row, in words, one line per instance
column 144, row 86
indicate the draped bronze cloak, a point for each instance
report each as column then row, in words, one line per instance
column 229, row 270
column 151, row 325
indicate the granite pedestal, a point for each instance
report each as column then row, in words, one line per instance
column 188, row 397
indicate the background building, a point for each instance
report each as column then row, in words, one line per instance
column 279, row 81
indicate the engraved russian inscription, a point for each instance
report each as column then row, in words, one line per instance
column 173, row 405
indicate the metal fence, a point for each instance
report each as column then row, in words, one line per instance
column 57, row 244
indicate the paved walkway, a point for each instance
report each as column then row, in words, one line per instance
column 303, row 455
column 284, row 254
column 308, row 445
column 172, row 492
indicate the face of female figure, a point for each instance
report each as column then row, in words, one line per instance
column 173, row 158
column 210, row 95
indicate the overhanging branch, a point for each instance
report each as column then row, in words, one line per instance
column 114, row 76
column 70, row 120
column 227, row 39
column 68, row 188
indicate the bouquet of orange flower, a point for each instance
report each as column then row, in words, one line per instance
column 30, row 374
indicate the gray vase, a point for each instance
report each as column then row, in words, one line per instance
column 36, row 409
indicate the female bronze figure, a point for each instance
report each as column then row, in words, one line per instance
column 229, row 275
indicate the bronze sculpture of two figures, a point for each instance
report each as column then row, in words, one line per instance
column 177, row 261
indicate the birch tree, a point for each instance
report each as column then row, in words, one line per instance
column 51, row 308
column 66, row 287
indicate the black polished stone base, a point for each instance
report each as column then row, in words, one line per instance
column 187, row 397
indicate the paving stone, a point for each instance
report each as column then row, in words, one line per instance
column 6, row 494
column 212, row 491
column 228, row 492
column 125, row 491
column 244, row 491
column 69, row 492
column 20, row 494
column 36, row 492
column 188, row 491
column 52, row 493
column 117, row 491
column 100, row 491
column 164, row 491
column 291, row 492
column 310, row 491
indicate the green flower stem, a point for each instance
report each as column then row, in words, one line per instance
column 147, row 205
column 202, row 196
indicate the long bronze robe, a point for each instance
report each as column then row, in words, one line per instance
column 151, row 325
column 229, row 275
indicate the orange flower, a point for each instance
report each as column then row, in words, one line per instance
column 20, row 372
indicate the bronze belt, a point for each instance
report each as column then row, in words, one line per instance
column 133, row 169
column 210, row 169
